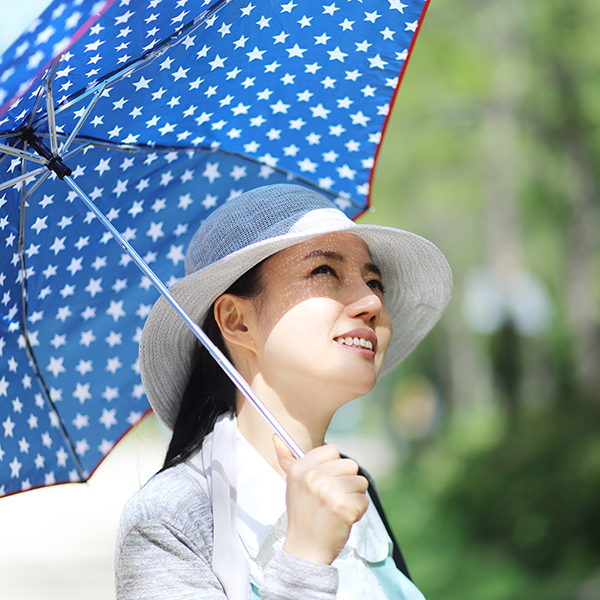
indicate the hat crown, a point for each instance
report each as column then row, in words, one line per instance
column 254, row 216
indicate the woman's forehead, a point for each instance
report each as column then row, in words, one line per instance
column 339, row 246
column 340, row 250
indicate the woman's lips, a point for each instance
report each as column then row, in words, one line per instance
column 359, row 339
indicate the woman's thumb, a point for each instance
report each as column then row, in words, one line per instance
column 284, row 455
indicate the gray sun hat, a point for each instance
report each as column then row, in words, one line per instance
column 253, row 226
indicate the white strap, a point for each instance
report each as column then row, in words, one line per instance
column 215, row 470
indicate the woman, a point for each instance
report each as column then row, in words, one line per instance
column 304, row 302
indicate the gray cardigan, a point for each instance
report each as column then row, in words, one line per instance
column 164, row 550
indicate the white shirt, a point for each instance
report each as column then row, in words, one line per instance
column 262, row 525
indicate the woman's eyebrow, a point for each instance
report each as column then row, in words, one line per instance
column 373, row 268
column 329, row 254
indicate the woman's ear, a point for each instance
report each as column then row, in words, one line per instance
column 231, row 315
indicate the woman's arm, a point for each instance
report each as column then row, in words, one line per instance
column 164, row 550
column 288, row 577
column 164, row 545
column 157, row 561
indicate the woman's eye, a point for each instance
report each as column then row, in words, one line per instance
column 324, row 270
column 376, row 284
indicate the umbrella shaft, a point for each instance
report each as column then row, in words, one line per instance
column 221, row 359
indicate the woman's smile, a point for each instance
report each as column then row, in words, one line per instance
column 360, row 339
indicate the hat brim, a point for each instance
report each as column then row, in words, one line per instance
column 416, row 275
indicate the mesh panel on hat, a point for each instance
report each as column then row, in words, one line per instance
column 257, row 215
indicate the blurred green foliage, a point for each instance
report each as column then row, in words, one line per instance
column 492, row 152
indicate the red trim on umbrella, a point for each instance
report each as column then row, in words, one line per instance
column 76, row 37
column 142, row 418
column 392, row 101
column 46, row 486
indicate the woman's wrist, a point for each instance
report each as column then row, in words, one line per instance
column 308, row 551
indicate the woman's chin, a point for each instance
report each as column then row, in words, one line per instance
column 353, row 386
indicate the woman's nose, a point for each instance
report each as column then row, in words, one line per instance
column 366, row 304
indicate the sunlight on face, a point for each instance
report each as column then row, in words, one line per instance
column 321, row 323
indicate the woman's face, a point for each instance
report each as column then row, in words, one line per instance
column 321, row 323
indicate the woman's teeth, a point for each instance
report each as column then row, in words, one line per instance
column 358, row 342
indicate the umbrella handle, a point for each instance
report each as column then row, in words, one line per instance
column 221, row 359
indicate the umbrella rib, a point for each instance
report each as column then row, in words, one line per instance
column 38, row 101
column 22, row 154
column 46, row 393
column 100, row 144
column 38, row 183
column 83, row 118
column 29, row 349
column 168, row 43
column 76, row 150
column 89, row 91
column 221, row 359
column 51, row 118
column 87, row 141
column 50, row 107
column 16, row 180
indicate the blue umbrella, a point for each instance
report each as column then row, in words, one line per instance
column 134, row 120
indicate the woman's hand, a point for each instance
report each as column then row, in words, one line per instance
column 324, row 498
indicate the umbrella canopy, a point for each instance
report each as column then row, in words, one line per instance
column 156, row 114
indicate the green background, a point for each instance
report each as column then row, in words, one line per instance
column 492, row 152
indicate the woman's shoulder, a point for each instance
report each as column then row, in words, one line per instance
column 171, row 497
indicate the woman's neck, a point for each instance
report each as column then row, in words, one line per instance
column 307, row 430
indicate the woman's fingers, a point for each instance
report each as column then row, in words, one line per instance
column 327, row 455
column 325, row 497
column 284, row 455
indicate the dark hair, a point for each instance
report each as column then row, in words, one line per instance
column 209, row 392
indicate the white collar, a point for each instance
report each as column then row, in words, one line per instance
column 214, row 468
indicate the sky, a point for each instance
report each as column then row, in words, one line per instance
column 16, row 17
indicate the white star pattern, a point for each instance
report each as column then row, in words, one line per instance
column 304, row 94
